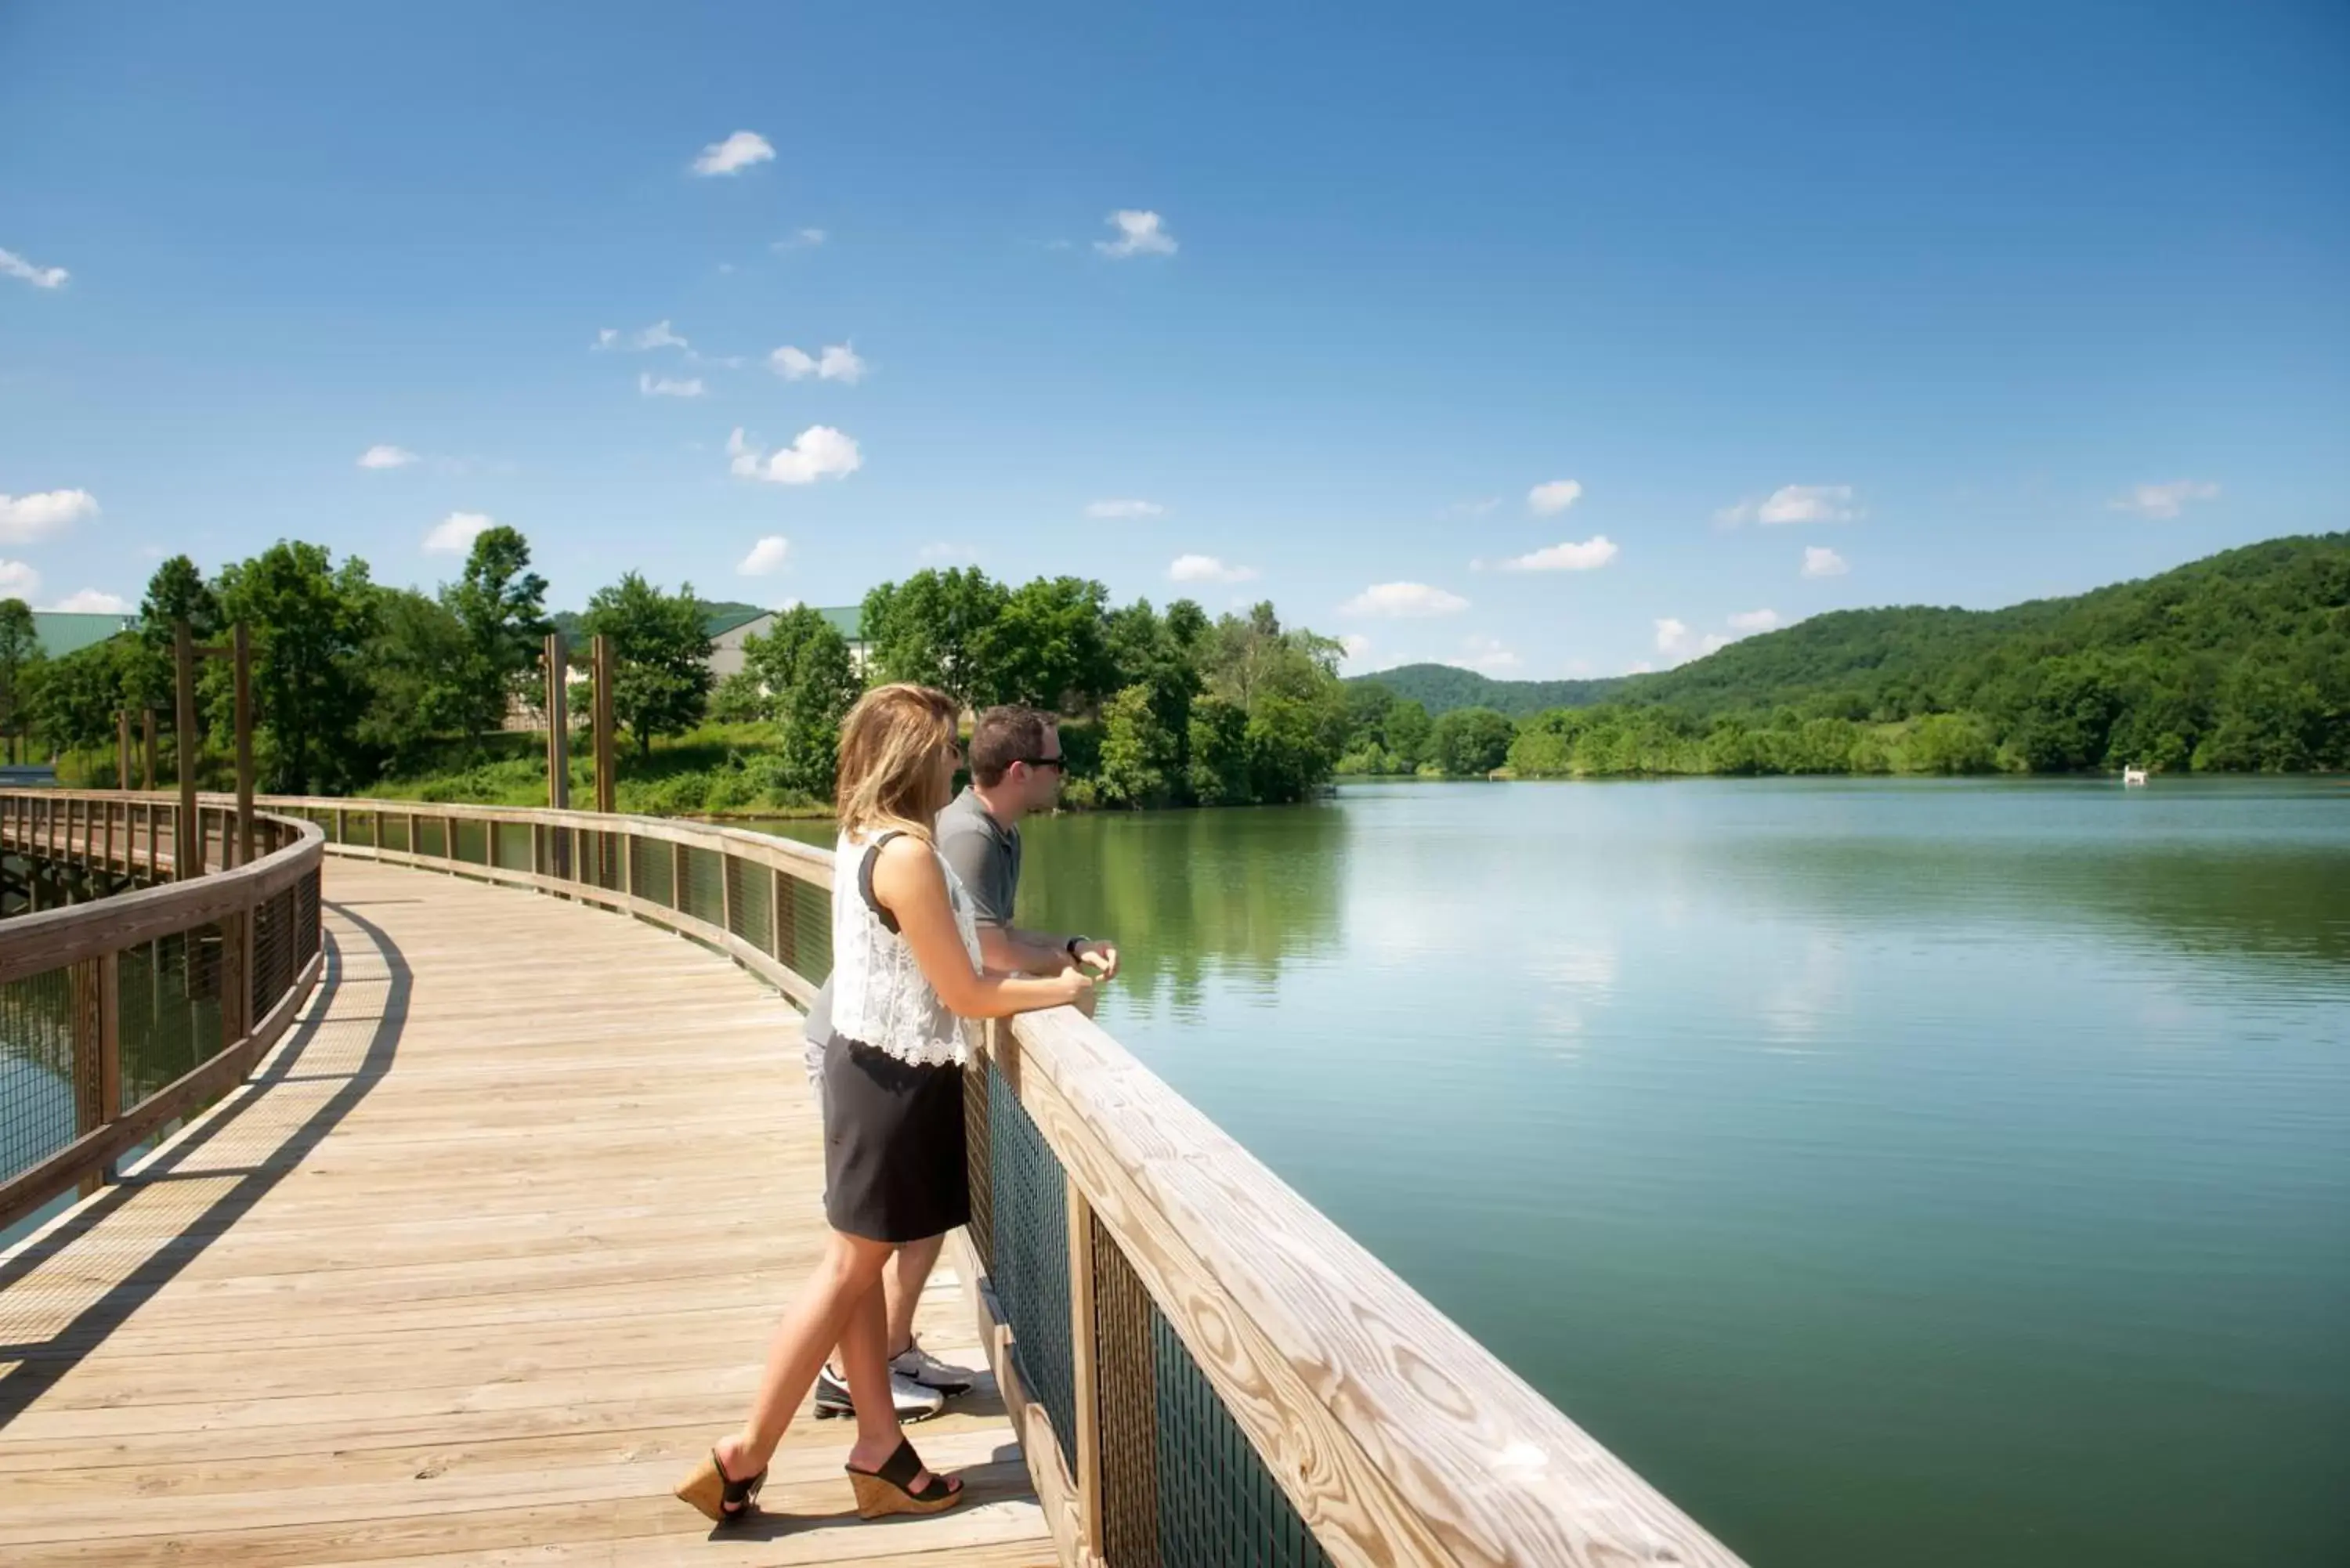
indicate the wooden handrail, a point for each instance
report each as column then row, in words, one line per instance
column 1394, row 1437
column 86, row 941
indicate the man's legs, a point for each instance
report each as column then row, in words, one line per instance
column 902, row 1284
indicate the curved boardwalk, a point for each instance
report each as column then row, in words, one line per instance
column 486, row 1254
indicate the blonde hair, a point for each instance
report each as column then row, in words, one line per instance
column 889, row 760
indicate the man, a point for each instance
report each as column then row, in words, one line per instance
column 1015, row 769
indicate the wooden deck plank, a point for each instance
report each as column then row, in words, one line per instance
column 478, row 1265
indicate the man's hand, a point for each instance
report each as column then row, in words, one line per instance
column 1101, row 956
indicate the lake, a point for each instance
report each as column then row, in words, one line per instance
column 1908, row 1173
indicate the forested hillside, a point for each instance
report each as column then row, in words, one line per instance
column 2238, row 661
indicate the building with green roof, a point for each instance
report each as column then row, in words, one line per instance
column 729, row 629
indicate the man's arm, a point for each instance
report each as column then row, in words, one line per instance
column 1016, row 951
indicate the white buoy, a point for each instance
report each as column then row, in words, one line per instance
column 2133, row 777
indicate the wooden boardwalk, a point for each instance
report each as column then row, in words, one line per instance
column 485, row 1255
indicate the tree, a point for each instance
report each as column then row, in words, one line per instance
column 1046, row 647
column 660, row 668
column 1141, row 759
column 79, row 694
column 20, row 651
column 310, row 622
column 417, row 660
column 934, row 627
column 1470, row 743
column 811, row 682
column 1219, row 752
column 501, row 606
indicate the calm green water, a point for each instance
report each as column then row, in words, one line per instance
column 1895, row 1173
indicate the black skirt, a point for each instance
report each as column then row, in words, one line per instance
column 894, row 1162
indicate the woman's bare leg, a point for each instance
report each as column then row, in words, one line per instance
column 866, row 1359
column 849, row 1272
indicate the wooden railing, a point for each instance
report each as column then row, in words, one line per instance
column 1201, row 1367
column 133, row 1000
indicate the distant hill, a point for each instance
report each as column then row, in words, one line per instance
column 2285, row 602
column 1442, row 688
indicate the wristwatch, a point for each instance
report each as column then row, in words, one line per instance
column 1074, row 943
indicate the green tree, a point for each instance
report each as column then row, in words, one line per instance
column 1141, row 759
column 660, row 668
column 1046, row 647
column 20, row 651
column 935, row 627
column 310, row 623
column 1219, row 752
column 811, row 682
column 501, row 605
column 79, row 694
column 1470, row 743
column 417, row 659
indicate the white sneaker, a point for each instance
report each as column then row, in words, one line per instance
column 914, row 1402
column 929, row 1371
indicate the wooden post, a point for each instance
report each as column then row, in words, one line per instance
column 241, row 651
column 1083, row 1357
column 147, row 763
column 600, row 720
column 188, row 847
column 122, row 750
column 782, row 918
column 725, row 889
column 558, row 723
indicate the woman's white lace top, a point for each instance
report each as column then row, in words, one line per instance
column 879, row 993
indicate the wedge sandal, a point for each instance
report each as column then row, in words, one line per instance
column 888, row 1491
column 718, row 1495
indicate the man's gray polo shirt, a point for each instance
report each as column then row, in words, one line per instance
column 985, row 854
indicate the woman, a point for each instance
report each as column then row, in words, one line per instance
column 905, row 969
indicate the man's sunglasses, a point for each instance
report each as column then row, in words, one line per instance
column 1059, row 763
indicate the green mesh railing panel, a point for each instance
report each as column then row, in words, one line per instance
column 700, row 886
column 432, row 837
column 394, row 832
column 749, row 894
column 170, row 1013
column 515, row 841
column 358, row 826
column 803, row 931
column 277, row 951
column 978, row 1088
column 1030, row 1219
column 1127, row 1408
column 469, row 841
column 1217, row 1502
column 37, row 1068
column 655, row 866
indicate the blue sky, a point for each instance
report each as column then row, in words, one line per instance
column 1544, row 339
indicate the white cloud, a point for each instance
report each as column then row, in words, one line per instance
column 818, row 452
column 24, row 518
column 455, row 533
column 1794, row 504
column 19, row 580
column 651, row 385
column 1472, row 508
column 734, row 154
column 1550, row 500
column 766, row 556
column 1404, row 601
column 837, row 362
column 1108, row 510
column 15, row 265
column 1590, row 556
column 657, row 336
column 802, row 240
column 1207, row 569
column 945, row 551
column 1138, row 233
column 2167, row 500
column 386, row 457
column 1484, row 654
column 1672, row 636
column 91, row 601
column 1678, row 640
column 1819, row 561
column 1808, row 504
column 1356, row 645
column 1754, row 620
